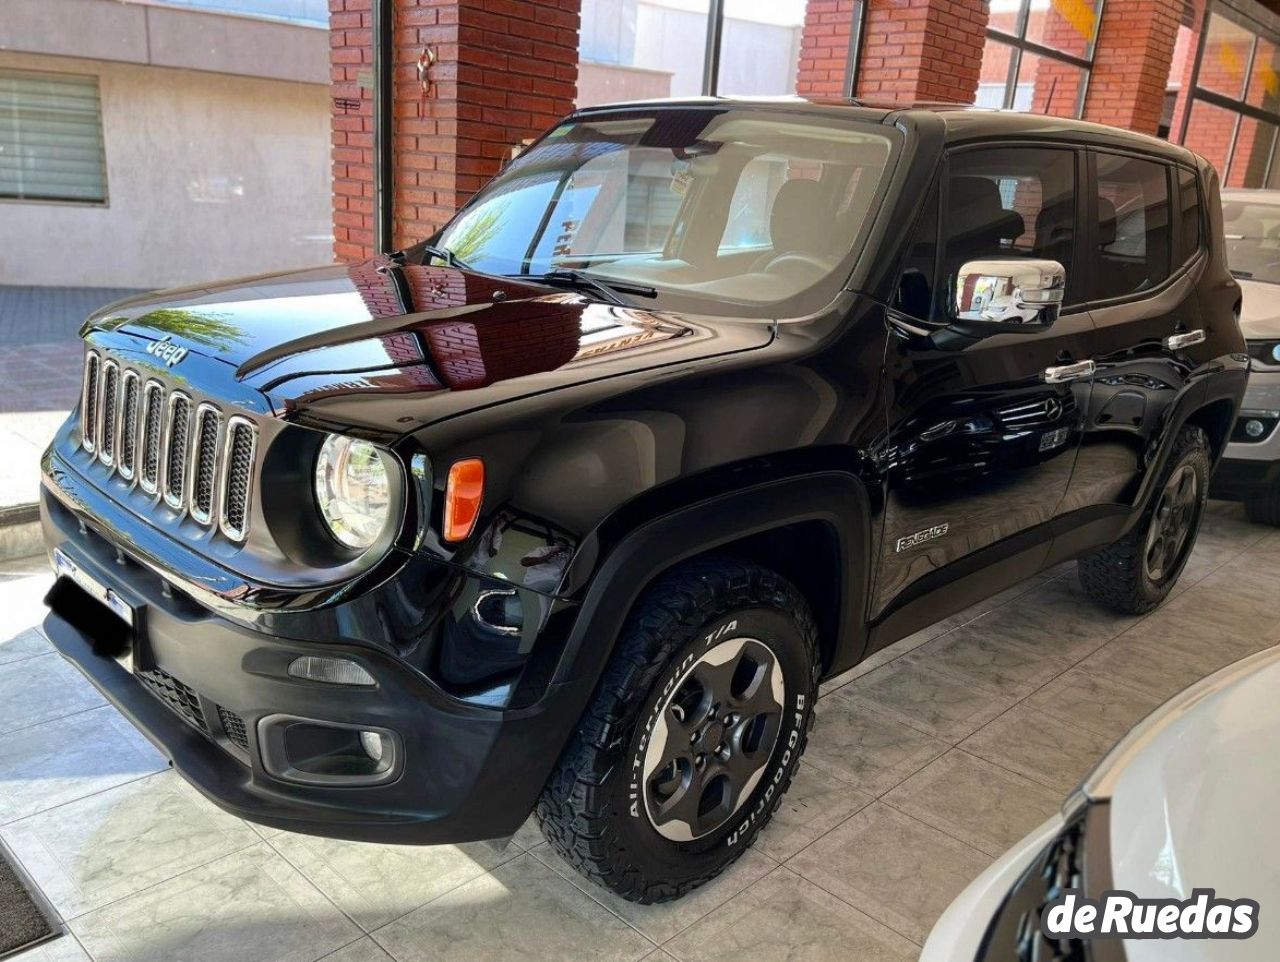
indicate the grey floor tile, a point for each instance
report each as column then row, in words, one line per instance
column 662, row 921
column 23, row 645
column 1039, row 746
column 892, row 867
column 60, row 761
column 41, row 689
column 869, row 750
column 975, row 801
column 108, row 846
column 63, row 949
column 978, row 655
column 248, row 907
column 376, row 884
column 936, row 704
column 521, row 911
column 783, row 916
column 1093, row 702
column 814, row 804
column 1149, row 666
column 366, row 950
column 886, row 655
column 528, row 836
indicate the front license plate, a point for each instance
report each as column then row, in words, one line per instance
column 63, row 565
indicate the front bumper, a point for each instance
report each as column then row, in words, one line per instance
column 468, row 772
column 1251, row 469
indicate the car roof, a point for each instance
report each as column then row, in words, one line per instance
column 961, row 122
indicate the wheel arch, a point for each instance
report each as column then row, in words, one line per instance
column 813, row 528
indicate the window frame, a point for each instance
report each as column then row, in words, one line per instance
column 1020, row 45
column 1074, row 302
column 103, row 202
column 1178, row 268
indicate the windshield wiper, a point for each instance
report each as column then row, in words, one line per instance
column 1243, row 275
column 610, row 291
column 446, row 255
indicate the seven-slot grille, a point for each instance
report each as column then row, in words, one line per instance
column 198, row 460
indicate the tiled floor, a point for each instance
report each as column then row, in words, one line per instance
column 927, row 762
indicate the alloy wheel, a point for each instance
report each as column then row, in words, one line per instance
column 712, row 738
column 1171, row 523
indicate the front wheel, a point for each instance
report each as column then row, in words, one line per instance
column 693, row 734
column 1136, row 573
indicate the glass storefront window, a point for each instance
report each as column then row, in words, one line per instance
column 760, row 47
column 1210, row 131
column 1264, row 78
column 1038, row 54
column 1255, row 147
column 641, row 49
column 1228, row 48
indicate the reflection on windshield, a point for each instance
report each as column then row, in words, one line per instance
column 707, row 206
column 1253, row 240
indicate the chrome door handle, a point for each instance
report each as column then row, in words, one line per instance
column 1069, row 372
column 1176, row 341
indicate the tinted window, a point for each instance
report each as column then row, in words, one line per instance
column 1133, row 226
column 1189, row 197
column 1010, row 202
column 915, row 288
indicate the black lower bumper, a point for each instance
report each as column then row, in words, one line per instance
column 1239, row 479
column 468, row 772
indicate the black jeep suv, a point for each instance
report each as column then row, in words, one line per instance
column 570, row 508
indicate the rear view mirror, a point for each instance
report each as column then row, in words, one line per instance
column 1007, row 295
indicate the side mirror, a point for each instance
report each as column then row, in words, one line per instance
column 1007, row 295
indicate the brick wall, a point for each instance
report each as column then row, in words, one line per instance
column 912, row 49
column 506, row 70
column 1132, row 63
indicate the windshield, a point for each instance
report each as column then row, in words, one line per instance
column 725, row 210
column 1253, row 240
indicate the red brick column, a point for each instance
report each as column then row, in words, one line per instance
column 505, row 70
column 912, row 50
column 1132, row 62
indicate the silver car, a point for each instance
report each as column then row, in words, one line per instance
column 1185, row 802
column 1250, row 471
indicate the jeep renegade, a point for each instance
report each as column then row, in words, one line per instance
column 570, row 508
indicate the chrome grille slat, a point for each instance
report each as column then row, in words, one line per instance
column 89, row 402
column 199, row 460
column 241, row 444
column 109, row 395
column 204, row 461
column 127, row 425
column 152, row 426
column 177, row 434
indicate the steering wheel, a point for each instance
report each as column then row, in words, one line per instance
column 808, row 261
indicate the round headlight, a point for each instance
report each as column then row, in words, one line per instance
column 352, row 490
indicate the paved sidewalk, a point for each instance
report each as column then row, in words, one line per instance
column 926, row 763
column 40, row 369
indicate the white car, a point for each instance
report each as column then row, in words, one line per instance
column 1250, row 470
column 1186, row 801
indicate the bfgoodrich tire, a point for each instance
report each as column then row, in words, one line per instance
column 693, row 734
column 1136, row 573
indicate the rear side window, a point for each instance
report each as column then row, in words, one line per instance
column 1133, row 226
column 1189, row 198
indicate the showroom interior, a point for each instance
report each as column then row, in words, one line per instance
column 200, row 139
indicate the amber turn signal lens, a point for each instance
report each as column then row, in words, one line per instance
column 462, row 497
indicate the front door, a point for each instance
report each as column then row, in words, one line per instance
column 982, row 438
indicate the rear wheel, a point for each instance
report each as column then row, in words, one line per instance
column 1136, row 573
column 693, row 735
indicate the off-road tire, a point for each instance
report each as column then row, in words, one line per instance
column 1116, row 576
column 592, row 810
column 1266, row 509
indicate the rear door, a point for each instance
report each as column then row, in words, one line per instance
column 1144, row 254
column 980, row 445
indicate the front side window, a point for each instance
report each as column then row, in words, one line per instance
column 758, row 211
column 51, row 138
column 1133, row 230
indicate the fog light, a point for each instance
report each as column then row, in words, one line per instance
column 373, row 744
column 331, row 671
column 1254, row 428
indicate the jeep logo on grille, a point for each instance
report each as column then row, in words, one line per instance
column 167, row 351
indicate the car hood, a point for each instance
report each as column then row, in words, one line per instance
column 1260, row 311
column 1193, row 795
column 391, row 346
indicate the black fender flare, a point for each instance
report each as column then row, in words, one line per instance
column 836, row 498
